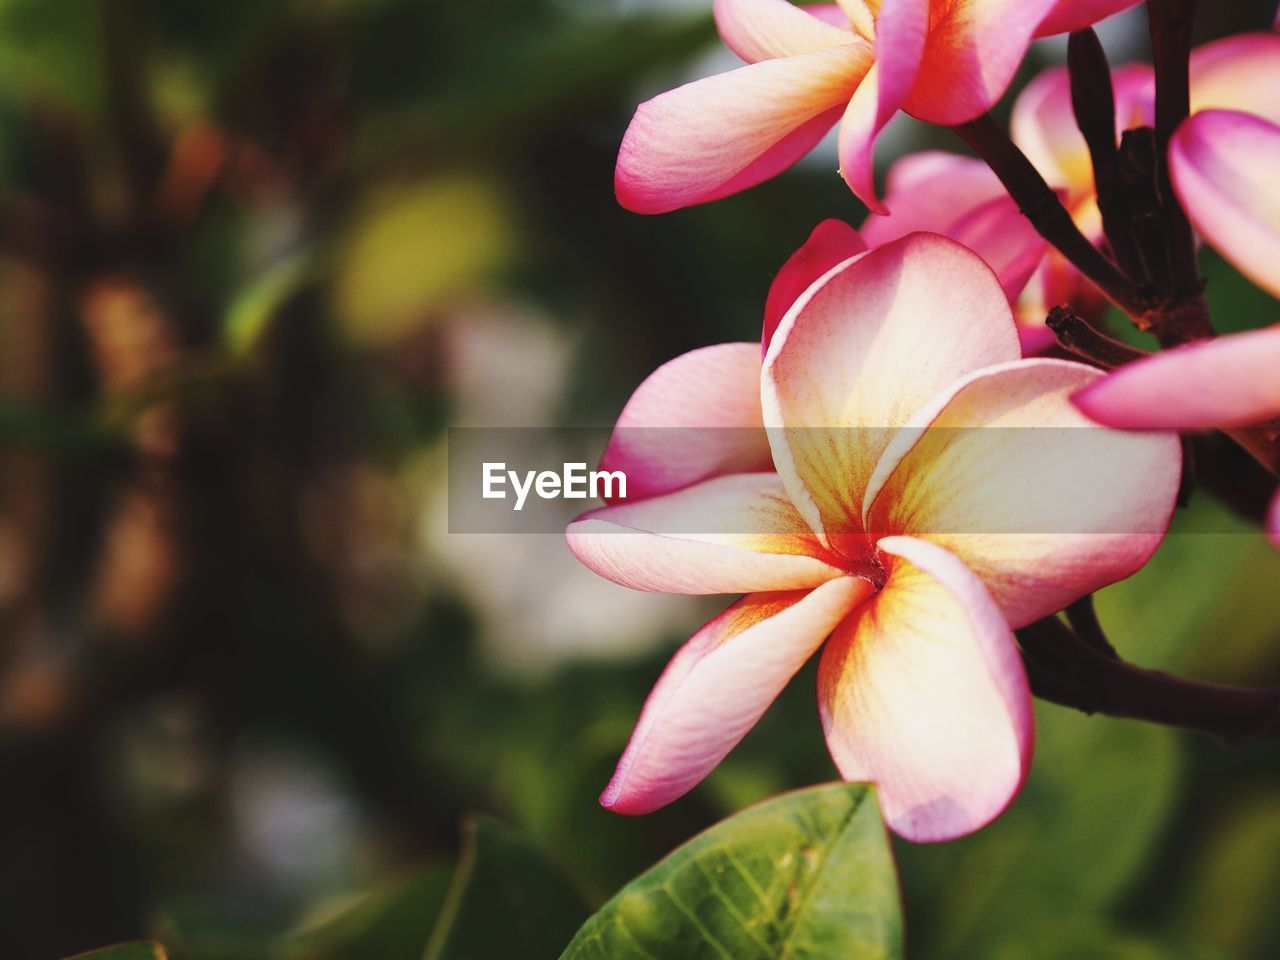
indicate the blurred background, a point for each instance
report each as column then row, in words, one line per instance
column 254, row 259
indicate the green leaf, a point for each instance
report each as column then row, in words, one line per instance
column 804, row 876
column 392, row 924
column 126, row 951
column 507, row 900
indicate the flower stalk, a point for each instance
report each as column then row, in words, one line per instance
column 1170, row 23
column 1065, row 669
column 1093, row 101
column 1040, row 204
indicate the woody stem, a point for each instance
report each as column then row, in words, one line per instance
column 1040, row 204
column 1066, row 670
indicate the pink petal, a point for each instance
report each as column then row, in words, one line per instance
column 1135, row 89
column 1238, row 73
column 859, row 127
column 782, row 156
column 931, row 187
column 730, row 534
column 695, row 417
column 1043, row 125
column 1273, row 521
column 1230, row 381
column 1223, row 165
column 1035, row 339
column 973, row 49
column 828, row 13
column 725, row 133
column 961, row 198
column 1057, row 281
column 718, row 685
column 998, row 232
column 1040, row 503
column 1069, row 15
column 922, row 692
column 832, row 242
column 861, row 351
column 765, row 29
column 901, row 29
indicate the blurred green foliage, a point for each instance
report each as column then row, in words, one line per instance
column 128, row 951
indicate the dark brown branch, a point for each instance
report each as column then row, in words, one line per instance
column 1094, row 104
column 1084, row 621
column 1064, row 669
column 1170, row 23
column 1137, row 167
column 1040, row 204
column 1076, row 336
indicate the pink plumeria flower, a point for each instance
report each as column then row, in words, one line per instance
column 855, row 63
column 961, row 197
column 1237, row 73
column 1223, row 164
column 849, row 502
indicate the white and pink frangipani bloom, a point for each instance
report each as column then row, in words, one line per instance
column 911, row 517
column 1228, row 382
column 856, row 63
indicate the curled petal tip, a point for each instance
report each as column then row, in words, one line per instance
column 1224, row 382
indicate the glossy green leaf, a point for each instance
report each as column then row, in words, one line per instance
column 805, row 876
column 506, row 900
column 126, row 951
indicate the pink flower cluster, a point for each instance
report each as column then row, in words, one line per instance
column 888, row 477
